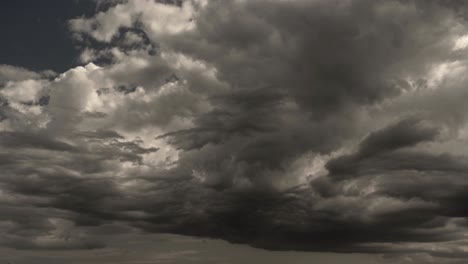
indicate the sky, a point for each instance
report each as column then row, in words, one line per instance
column 233, row 131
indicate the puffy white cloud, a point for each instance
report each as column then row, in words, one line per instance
column 158, row 19
column 23, row 91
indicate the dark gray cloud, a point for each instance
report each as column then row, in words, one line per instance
column 332, row 126
column 25, row 140
column 379, row 150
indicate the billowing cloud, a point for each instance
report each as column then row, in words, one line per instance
column 287, row 125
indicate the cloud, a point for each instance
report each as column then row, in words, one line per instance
column 380, row 148
column 286, row 125
column 14, row 73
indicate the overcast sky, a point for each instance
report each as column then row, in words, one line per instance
column 233, row 131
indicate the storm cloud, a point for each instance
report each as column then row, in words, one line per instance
column 331, row 126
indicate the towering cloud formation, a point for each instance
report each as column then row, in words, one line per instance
column 289, row 125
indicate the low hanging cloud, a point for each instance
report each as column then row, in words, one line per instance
column 333, row 126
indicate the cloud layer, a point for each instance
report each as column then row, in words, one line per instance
column 289, row 125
